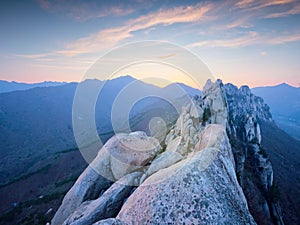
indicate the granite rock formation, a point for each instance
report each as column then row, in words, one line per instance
column 210, row 169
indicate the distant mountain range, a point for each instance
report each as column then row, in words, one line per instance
column 38, row 121
column 6, row 86
column 284, row 101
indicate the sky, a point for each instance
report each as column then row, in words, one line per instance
column 252, row 42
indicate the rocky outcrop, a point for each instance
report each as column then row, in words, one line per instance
column 88, row 186
column 164, row 160
column 200, row 189
column 121, row 155
column 107, row 205
column 130, row 152
column 210, row 169
column 253, row 167
column 183, row 136
column 214, row 103
column 241, row 102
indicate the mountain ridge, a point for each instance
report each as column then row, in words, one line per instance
column 6, row 86
column 284, row 101
column 283, row 84
column 253, row 168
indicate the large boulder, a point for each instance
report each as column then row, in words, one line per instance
column 213, row 136
column 130, row 152
column 121, row 155
column 164, row 160
column 106, row 206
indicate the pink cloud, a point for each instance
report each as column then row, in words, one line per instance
column 252, row 38
column 245, row 40
column 293, row 11
column 258, row 4
column 108, row 38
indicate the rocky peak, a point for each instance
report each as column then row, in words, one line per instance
column 214, row 103
column 210, row 169
column 245, row 90
column 241, row 103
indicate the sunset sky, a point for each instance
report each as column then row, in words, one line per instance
column 253, row 42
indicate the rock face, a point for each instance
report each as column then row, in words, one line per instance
column 253, row 167
column 214, row 101
column 88, row 186
column 121, row 155
column 196, row 191
column 183, row 136
column 129, row 152
column 210, row 170
column 107, row 205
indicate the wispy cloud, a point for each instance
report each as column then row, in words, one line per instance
column 55, row 60
column 242, row 41
column 247, row 12
column 244, row 3
column 215, row 16
column 85, row 10
column 258, row 4
column 293, row 11
column 35, row 56
column 167, row 56
column 283, row 39
column 252, row 38
column 242, row 22
column 107, row 38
